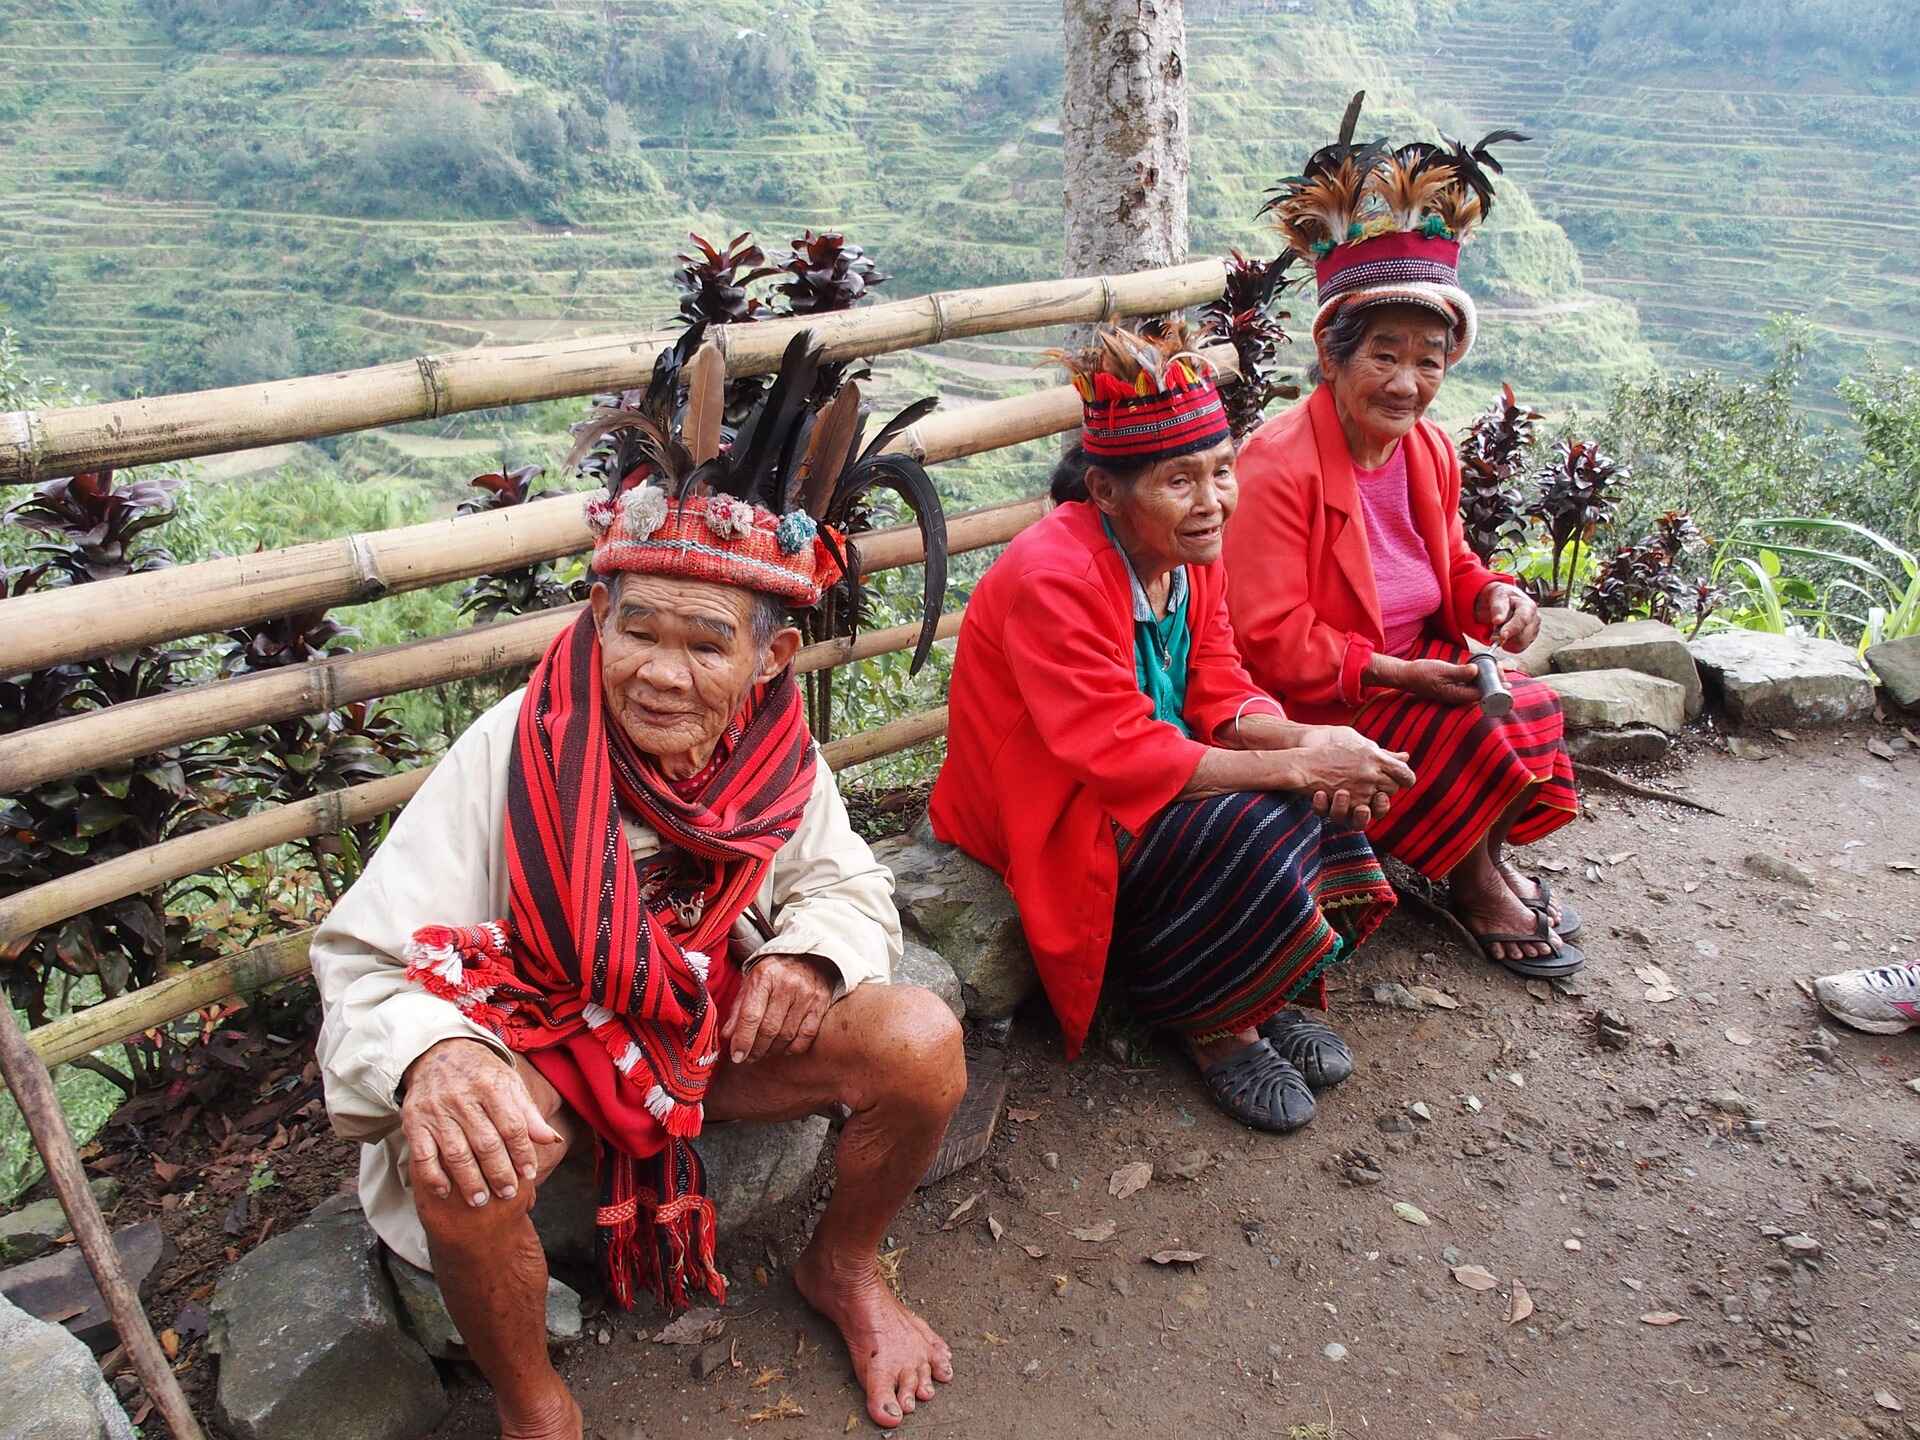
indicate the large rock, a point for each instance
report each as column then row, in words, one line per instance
column 1629, row 745
column 752, row 1170
column 923, row 966
column 1763, row 679
column 61, row 1284
column 1559, row 628
column 1616, row 699
column 32, row 1229
column 425, row 1309
column 310, row 1341
column 50, row 1388
column 1897, row 663
column 952, row 902
column 1644, row 645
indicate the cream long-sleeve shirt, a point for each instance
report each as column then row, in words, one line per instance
column 444, row 862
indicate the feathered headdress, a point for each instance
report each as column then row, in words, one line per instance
column 766, row 506
column 1145, row 395
column 1385, row 224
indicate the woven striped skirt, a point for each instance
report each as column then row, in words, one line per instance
column 1233, row 906
column 1468, row 769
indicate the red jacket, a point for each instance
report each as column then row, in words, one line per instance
column 1306, row 612
column 1049, row 737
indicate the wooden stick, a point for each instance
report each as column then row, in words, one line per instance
column 33, row 1091
column 40, row 444
column 138, row 1011
column 26, row 911
column 101, row 738
column 272, row 961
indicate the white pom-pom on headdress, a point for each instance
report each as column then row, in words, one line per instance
column 728, row 518
column 643, row 510
column 600, row 515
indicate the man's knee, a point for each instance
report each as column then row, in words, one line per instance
column 917, row 1046
column 450, row 1219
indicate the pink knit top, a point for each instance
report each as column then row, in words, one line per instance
column 1402, row 569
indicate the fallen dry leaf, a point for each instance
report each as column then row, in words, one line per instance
column 1177, row 1257
column 853, row 1419
column 691, row 1328
column 953, row 1216
column 995, row 1228
column 1620, row 857
column 1475, row 1277
column 766, row 1377
column 1019, row 1116
column 1736, row 1036
column 1094, row 1234
column 1412, row 1214
column 1427, row 995
column 1061, row 1284
column 1886, row 1400
column 170, row 1342
column 991, row 1338
column 1129, row 1179
column 1522, row 1305
column 1034, row 1252
column 1661, row 1317
column 1882, row 749
column 785, row 1408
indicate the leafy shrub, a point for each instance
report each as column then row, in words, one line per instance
column 1491, row 452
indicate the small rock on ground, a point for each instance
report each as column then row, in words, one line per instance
column 1647, row 646
column 61, row 1284
column 32, row 1229
column 953, row 903
column 924, row 966
column 425, row 1310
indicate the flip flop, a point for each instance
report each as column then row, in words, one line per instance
column 1557, row 966
column 1310, row 1046
column 1570, row 922
column 1259, row 1089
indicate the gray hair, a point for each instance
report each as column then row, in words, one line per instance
column 765, row 613
column 1347, row 332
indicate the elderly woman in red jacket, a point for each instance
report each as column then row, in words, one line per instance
column 1153, row 811
column 1353, row 591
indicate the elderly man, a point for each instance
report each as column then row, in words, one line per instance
column 627, row 903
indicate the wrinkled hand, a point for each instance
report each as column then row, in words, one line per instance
column 781, row 1005
column 1440, row 680
column 1354, row 779
column 1510, row 615
column 471, row 1123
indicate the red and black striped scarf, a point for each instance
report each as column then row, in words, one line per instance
column 584, row 949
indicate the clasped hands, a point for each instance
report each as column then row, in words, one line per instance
column 473, row 1125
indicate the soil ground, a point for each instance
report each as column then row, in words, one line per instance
column 1616, row 1187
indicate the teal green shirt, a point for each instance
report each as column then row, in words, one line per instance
column 1160, row 646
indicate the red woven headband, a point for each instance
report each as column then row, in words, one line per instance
column 1180, row 420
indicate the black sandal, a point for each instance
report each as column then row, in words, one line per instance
column 1542, row 902
column 1259, row 1089
column 1310, row 1046
column 1563, row 962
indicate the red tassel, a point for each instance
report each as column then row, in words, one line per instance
column 683, row 1121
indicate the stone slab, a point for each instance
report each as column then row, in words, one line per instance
column 425, row 1310
column 1560, row 626
column 50, row 1387
column 1647, row 646
column 310, row 1342
column 752, row 1170
column 922, row 965
column 1785, row 680
column 954, row 904
column 1897, row 663
column 61, row 1284
column 32, row 1229
column 1629, row 745
column 1616, row 699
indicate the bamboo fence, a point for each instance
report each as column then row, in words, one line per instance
column 41, row 444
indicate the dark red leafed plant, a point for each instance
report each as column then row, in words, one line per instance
column 711, row 283
column 1644, row 578
column 94, row 528
column 1244, row 317
column 824, row 275
column 529, row 588
column 1575, row 495
column 1491, row 454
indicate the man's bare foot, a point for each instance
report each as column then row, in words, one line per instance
column 896, row 1355
column 1498, row 911
column 1527, row 890
column 557, row 1417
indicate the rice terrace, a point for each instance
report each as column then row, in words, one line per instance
column 798, row 717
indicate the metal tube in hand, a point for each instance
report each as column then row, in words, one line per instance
column 1495, row 699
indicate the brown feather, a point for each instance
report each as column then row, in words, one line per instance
column 1323, row 208
column 1458, row 208
column 1127, row 354
column 1408, row 191
column 706, row 403
column 827, row 450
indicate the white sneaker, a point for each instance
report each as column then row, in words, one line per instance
column 1883, row 999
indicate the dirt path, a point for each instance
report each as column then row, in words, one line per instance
column 1609, row 1184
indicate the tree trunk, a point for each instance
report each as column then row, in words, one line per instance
column 1124, row 124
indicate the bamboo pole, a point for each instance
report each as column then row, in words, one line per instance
column 27, row 911
column 33, row 1091
column 245, row 973
column 272, row 961
column 48, row 627
column 40, row 444
column 102, row 738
